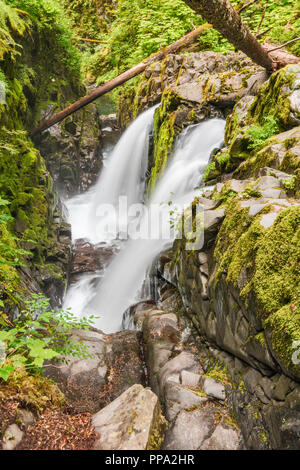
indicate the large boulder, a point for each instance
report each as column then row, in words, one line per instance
column 131, row 422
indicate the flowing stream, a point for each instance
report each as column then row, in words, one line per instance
column 112, row 213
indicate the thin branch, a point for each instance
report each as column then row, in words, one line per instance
column 261, row 21
column 264, row 32
column 246, row 6
column 283, row 45
column 91, row 40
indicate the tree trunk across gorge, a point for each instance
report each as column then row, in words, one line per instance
column 223, row 17
column 226, row 20
column 186, row 40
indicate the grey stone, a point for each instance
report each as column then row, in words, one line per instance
column 27, row 417
column 127, row 422
column 173, row 368
column 12, row 437
column 212, row 388
column 281, row 388
column 190, row 91
column 256, row 209
column 213, row 218
column 189, row 378
column 223, row 438
column 177, row 398
column 266, row 183
column 203, row 258
column 84, row 381
column 190, row 430
column 268, row 220
column 252, row 378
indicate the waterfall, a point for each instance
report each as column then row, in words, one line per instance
column 124, row 176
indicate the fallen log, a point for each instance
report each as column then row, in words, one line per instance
column 225, row 19
column 124, row 77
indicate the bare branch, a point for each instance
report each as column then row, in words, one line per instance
column 261, row 21
column 283, row 45
column 246, row 6
column 264, row 32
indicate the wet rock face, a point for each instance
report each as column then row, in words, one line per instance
column 89, row 258
column 231, row 283
column 73, row 151
column 263, row 131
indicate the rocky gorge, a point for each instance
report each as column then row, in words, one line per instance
column 209, row 359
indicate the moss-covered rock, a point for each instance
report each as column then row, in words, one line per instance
column 44, row 74
column 258, row 124
column 249, row 304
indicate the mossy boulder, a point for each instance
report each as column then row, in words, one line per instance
column 258, row 123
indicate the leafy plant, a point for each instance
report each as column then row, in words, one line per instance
column 39, row 334
column 290, row 183
column 10, row 22
column 50, row 20
column 257, row 134
column 10, row 254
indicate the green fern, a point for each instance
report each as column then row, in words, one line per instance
column 10, row 22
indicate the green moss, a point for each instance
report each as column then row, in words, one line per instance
column 285, row 331
column 276, row 277
column 157, row 433
column 270, row 261
column 33, row 391
column 289, row 184
column 254, row 123
column 44, row 73
column 218, row 371
column 261, row 339
column 164, row 134
column 199, row 393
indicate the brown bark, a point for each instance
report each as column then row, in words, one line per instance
column 226, row 20
column 124, row 77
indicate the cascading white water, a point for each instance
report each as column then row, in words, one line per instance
column 126, row 273
column 124, row 176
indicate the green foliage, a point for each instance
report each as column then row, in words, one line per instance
column 282, row 15
column 10, row 22
column 10, row 254
column 210, row 167
column 89, row 18
column 290, row 183
column 40, row 334
column 53, row 27
column 33, row 390
column 140, row 28
column 258, row 134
